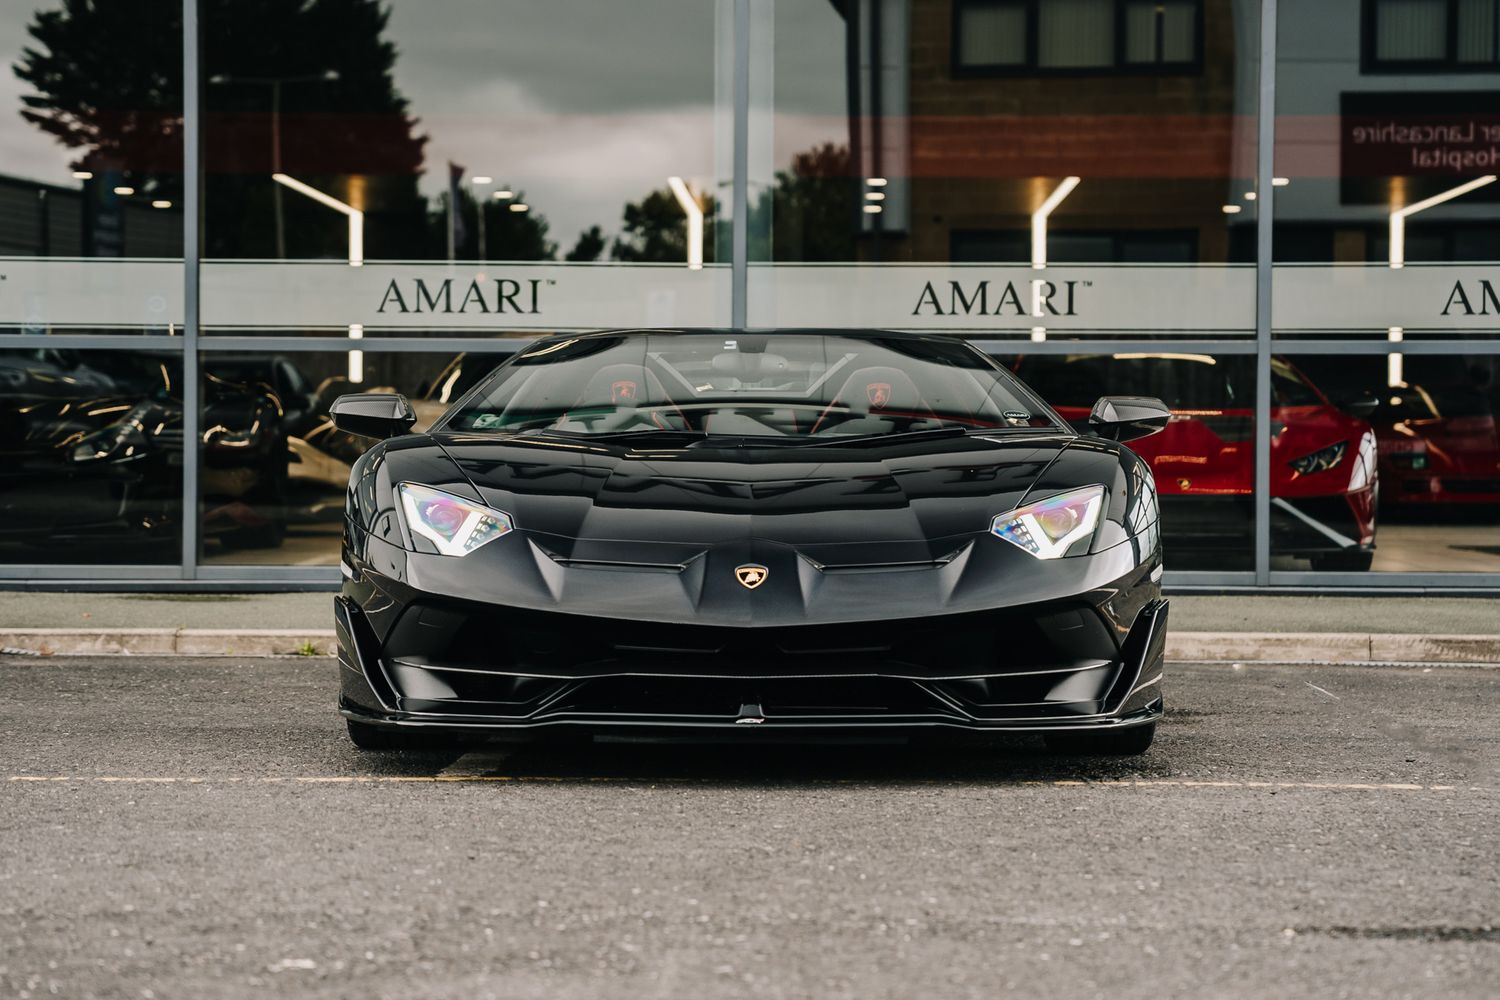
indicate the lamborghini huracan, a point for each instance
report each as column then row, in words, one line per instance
column 686, row 532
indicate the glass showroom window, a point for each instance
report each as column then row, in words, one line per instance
column 895, row 189
column 415, row 168
column 92, row 456
column 1386, row 234
column 91, row 188
column 379, row 170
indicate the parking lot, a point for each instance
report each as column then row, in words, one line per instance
column 192, row 828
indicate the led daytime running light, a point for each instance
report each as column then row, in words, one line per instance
column 456, row 526
column 1048, row 528
column 1319, row 461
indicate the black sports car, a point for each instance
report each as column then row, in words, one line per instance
column 717, row 531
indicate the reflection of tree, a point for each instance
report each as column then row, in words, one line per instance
column 811, row 213
column 814, row 208
column 351, row 137
column 655, row 230
column 589, row 246
column 507, row 235
column 108, row 81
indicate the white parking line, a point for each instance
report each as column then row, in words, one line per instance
column 474, row 764
column 483, row 765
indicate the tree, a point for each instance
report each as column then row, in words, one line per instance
column 107, row 76
column 814, row 207
column 655, row 230
column 589, row 246
column 507, row 235
column 109, row 84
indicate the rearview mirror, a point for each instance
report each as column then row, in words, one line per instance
column 1126, row 418
column 373, row 414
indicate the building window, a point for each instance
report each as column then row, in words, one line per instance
column 1161, row 32
column 1000, row 37
column 1447, row 36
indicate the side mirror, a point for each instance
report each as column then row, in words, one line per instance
column 373, row 414
column 1126, row 418
column 1360, row 406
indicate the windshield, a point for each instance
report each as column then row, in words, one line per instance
column 792, row 385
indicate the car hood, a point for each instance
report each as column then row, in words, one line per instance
column 910, row 500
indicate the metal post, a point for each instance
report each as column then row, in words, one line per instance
column 739, row 246
column 192, row 167
column 1264, row 219
column 484, row 247
column 276, row 167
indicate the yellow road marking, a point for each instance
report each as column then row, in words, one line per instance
column 383, row 779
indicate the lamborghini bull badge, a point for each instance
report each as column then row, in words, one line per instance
column 750, row 575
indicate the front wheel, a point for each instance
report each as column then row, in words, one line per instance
column 368, row 737
column 1103, row 743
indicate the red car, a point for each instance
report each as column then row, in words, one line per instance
column 1323, row 460
column 1438, row 446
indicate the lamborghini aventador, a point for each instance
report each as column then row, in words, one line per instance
column 803, row 533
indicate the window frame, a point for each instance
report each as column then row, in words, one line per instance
column 1032, row 68
column 1370, row 64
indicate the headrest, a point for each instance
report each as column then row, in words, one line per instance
column 878, row 389
column 622, row 385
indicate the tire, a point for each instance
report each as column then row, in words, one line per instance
column 1104, row 743
column 1350, row 561
column 368, row 737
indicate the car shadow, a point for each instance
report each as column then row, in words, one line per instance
column 1008, row 760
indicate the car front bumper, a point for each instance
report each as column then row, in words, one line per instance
column 433, row 662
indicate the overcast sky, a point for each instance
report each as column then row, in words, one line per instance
column 584, row 104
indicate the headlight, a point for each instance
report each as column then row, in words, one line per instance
column 456, row 526
column 1049, row 528
column 1319, row 461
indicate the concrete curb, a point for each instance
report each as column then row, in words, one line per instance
column 1196, row 647
column 168, row 641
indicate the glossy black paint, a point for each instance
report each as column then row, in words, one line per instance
column 614, row 601
column 1128, row 418
column 373, row 414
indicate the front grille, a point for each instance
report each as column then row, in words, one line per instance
column 451, row 657
column 456, row 635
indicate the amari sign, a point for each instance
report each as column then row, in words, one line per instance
column 297, row 297
column 313, row 295
column 980, row 299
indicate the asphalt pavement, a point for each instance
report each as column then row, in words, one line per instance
column 201, row 828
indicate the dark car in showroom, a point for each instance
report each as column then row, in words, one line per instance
column 1323, row 456
column 797, row 533
column 91, row 449
column 1439, row 447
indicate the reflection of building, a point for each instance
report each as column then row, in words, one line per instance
column 1148, row 104
column 50, row 220
column 1383, row 116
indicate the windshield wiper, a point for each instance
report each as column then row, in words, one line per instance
column 646, row 433
column 856, row 439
